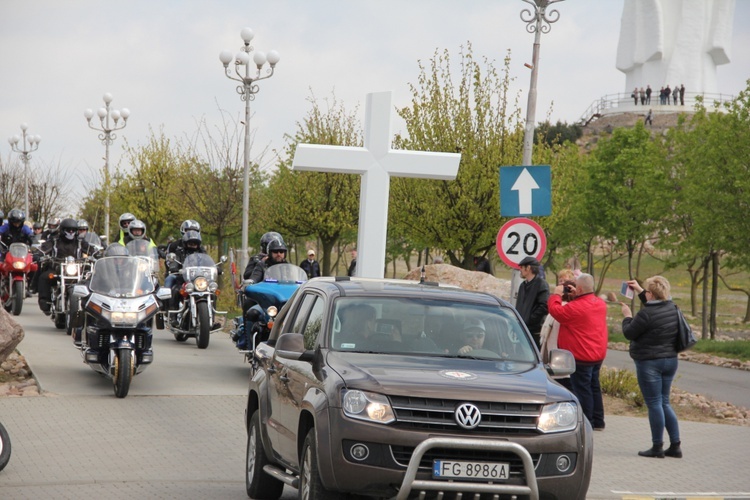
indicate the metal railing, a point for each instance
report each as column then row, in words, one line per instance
column 610, row 104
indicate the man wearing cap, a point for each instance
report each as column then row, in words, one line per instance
column 310, row 265
column 473, row 336
column 533, row 293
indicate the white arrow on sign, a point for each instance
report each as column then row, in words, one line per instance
column 524, row 185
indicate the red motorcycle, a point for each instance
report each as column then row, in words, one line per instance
column 18, row 262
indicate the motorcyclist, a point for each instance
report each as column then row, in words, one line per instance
column 37, row 230
column 125, row 220
column 191, row 244
column 64, row 244
column 53, row 226
column 262, row 256
column 15, row 231
column 276, row 255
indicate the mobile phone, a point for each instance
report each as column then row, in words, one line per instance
column 626, row 290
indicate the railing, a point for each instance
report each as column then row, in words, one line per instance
column 623, row 103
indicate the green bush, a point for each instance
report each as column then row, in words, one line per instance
column 621, row 384
column 735, row 349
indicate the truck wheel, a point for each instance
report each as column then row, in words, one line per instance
column 258, row 484
column 310, row 487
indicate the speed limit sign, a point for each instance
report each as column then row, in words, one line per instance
column 520, row 238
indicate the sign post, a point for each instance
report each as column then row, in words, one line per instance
column 517, row 239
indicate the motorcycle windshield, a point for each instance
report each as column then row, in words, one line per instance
column 198, row 259
column 92, row 239
column 18, row 250
column 144, row 248
column 199, row 264
column 122, row 277
column 285, row 273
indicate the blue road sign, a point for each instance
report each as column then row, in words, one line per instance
column 525, row 191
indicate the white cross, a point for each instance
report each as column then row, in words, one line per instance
column 376, row 162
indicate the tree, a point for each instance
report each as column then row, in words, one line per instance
column 473, row 117
column 557, row 134
column 316, row 204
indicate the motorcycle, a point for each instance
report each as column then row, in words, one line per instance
column 196, row 311
column 4, row 447
column 261, row 303
column 119, row 304
column 18, row 262
column 63, row 307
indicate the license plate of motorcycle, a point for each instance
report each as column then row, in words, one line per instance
column 458, row 469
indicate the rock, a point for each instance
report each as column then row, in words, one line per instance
column 11, row 334
column 469, row 280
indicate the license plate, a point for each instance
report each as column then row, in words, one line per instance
column 451, row 469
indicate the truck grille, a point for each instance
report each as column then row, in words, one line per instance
column 439, row 414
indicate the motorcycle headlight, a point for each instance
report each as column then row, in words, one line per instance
column 367, row 406
column 558, row 417
column 124, row 317
column 19, row 265
column 272, row 311
column 201, row 283
column 71, row 269
column 213, row 286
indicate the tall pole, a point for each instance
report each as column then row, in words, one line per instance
column 247, row 91
column 537, row 21
column 107, row 136
column 29, row 144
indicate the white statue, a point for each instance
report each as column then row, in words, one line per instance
column 674, row 42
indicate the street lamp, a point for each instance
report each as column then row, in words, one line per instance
column 247, row 91
column 537, row 21
column 29, row 144
column 110, row 122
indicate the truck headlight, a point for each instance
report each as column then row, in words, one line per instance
column 367, row 406
column 558, row 417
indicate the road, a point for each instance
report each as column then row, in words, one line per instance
column 180, row 434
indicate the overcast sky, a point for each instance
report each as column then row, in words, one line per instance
column 160, row 60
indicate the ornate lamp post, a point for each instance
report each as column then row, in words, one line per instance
column 537, row 21
column 247, row 89
column 110, row 122
column 29, row 144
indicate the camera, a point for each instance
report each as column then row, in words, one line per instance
column 567, row 289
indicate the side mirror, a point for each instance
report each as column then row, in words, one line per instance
column 80, row 291
column 561, row 362
column 223, row 259
column 292, row 346
column 171, row 257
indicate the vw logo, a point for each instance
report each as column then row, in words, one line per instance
column 468, row 416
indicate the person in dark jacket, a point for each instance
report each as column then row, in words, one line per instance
column 310, row 265
column 533, row 293
column 482, row 264
column 652, row 334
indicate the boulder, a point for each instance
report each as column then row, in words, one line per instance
column 11, row 334
column 469, row 280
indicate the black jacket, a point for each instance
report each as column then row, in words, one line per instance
column 531, row 303
column 653, row 331
column 311, row 268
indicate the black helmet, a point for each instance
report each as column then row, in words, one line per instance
column 139, row 227
column 38, row 225
column 83, row 224
column 190, row 225
column 126, row 217
column 116, row 250
column 268, row 238
column 192, row 238
column 16, row 216
column 276, row 245
column 69, row 228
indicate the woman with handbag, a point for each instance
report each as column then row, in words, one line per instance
column 653, row 334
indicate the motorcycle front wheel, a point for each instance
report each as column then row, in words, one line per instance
column 4, row 447
column 18, row 295
column 70, row 318
column 204, row 325
column 124, row 367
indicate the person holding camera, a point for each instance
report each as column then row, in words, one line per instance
column 583, row 332
column 551, row 327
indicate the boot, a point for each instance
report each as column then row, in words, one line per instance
column 674, row 450
column 656, row 451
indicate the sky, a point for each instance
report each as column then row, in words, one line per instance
column 160, row 59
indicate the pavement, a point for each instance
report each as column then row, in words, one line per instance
column 85, row 443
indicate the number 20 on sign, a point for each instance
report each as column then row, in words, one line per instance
column 520, row 238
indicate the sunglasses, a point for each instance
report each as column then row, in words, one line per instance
column 474, row 335
column 278, row 251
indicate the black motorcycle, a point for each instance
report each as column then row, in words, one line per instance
column 118, row 306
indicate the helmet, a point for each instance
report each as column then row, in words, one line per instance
column 53, row 224
column 69, row 228
column 192, row 239
column 137, row 226
column 16, row 217
column 37, row 225
column 276, row 245
column 190, row 225
column 126, row 219
column 83, row 224
column 116, row 250
column 268, row 238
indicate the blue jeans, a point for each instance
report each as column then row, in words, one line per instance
column 584, row 383
column 655, row 378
